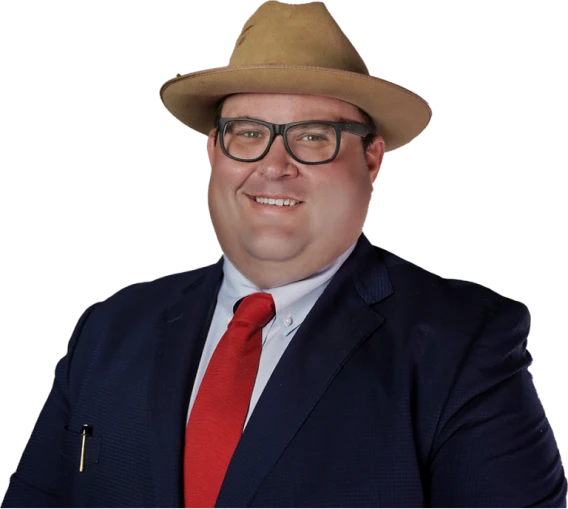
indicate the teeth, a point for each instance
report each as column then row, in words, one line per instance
column 279, row 202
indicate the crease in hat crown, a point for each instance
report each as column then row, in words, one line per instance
column 271, row 36
column 297, row 49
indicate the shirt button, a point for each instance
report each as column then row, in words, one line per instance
column 288, row 321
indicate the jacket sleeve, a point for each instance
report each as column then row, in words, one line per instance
column 36, row 482
column 494, row 446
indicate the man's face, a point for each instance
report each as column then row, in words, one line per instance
column 334, row 196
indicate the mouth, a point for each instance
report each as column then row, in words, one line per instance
column 274, row 207
column 275, row 202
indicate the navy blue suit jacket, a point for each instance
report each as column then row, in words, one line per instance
column 400, row 389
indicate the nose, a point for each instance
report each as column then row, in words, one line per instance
column 278, row 162
column 278, row 146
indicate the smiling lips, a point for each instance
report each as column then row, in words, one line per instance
column 274, row 197
column 276, row 204
column 279, row 201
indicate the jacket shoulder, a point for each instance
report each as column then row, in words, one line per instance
column 158, row 292
column 445, row 299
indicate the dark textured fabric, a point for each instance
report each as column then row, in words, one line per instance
column 400, row 389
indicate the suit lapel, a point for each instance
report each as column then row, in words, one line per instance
column 338, row 323
column 181, row 336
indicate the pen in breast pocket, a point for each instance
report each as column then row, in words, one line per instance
column 87, row 431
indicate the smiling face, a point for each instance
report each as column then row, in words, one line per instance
column 274, row 245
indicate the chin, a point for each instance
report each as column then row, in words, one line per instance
column 272, row 248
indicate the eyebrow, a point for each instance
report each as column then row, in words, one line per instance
column 335, row 119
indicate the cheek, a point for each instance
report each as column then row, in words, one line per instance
column 225, row 180
column 214, row 192
column 344, row 197
column 220, row 187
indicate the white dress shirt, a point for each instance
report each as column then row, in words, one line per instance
column 292, row 302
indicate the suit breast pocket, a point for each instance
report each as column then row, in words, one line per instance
column 73, row 444
column 73, row 481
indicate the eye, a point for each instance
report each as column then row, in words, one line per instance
column 250, row 134
column 312, row 137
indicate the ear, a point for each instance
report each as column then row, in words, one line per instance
column 374, row 156
column 211, row 146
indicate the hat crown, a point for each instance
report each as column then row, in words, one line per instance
column 304, row 34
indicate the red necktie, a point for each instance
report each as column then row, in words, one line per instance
column 221, row 406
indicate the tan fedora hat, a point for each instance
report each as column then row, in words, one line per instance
column 297, row 49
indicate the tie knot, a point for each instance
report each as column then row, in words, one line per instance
column 257, row 308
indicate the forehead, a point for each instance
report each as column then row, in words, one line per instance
column 283, row 108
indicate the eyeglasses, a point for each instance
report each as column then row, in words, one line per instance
column 308, row 142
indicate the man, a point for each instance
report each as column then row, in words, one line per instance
column 306, row 367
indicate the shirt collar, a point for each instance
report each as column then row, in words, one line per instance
column 293, row 301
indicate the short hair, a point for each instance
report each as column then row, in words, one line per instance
column 367, row 120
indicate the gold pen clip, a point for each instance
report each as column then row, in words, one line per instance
column 87, row 431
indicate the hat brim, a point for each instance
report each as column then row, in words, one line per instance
column 399, row 114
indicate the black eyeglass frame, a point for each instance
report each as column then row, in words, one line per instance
column 352, row 127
